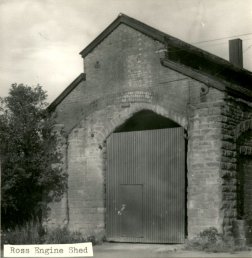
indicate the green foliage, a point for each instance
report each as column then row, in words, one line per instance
column 210, row 240
column 27, row 151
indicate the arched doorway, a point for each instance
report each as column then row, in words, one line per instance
column 146, row 181
column 244, row 182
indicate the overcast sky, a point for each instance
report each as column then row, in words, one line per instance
column 40, row 40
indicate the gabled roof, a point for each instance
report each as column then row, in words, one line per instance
column 185, row 54
column 137, row 25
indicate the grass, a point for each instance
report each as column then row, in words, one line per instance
column 34, row 233
column 65, row 236
column 31, row 233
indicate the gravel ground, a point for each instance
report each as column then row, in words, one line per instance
column 124, row 250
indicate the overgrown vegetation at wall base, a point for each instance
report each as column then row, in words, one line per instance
column 65, row 236
column 210, row 240
column 34, row 233
column 27, row 152
column 29, row 233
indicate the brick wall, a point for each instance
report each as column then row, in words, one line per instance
column 58, row 211
column 87, row 163
column 126, row 61
column 124, row 76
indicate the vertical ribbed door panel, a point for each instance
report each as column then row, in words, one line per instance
column 145, row 186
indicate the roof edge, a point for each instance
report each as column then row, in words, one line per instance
column 157, row 35
column 68, row 89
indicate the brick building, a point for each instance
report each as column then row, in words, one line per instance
column 156, row 139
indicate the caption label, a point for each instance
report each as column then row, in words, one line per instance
column 58, row 250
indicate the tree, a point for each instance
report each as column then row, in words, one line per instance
column 28, row 151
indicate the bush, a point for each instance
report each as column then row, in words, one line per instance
column 210, row 240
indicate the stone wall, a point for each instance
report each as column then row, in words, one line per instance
column 204, row 156
column 244, row 175
column 233, row 114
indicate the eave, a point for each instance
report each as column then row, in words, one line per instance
column 209, row 80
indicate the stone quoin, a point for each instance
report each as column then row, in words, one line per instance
column 139, row 79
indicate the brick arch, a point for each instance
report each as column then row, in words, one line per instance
column 125, row 114
column 120, row 118
column 241, row 128
column 134, row 99
column 87, row 153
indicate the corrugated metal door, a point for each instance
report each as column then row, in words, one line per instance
column 145, row 186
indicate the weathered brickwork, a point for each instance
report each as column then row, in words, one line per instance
column 110, row 77
column 124, row 76
column 87, row 162
column 244, row 151
column 58, row 211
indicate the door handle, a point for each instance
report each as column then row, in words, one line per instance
column 121, row 210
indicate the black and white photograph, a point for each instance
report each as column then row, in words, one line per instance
column 126, row 128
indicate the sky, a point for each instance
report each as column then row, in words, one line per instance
column 40, row 40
